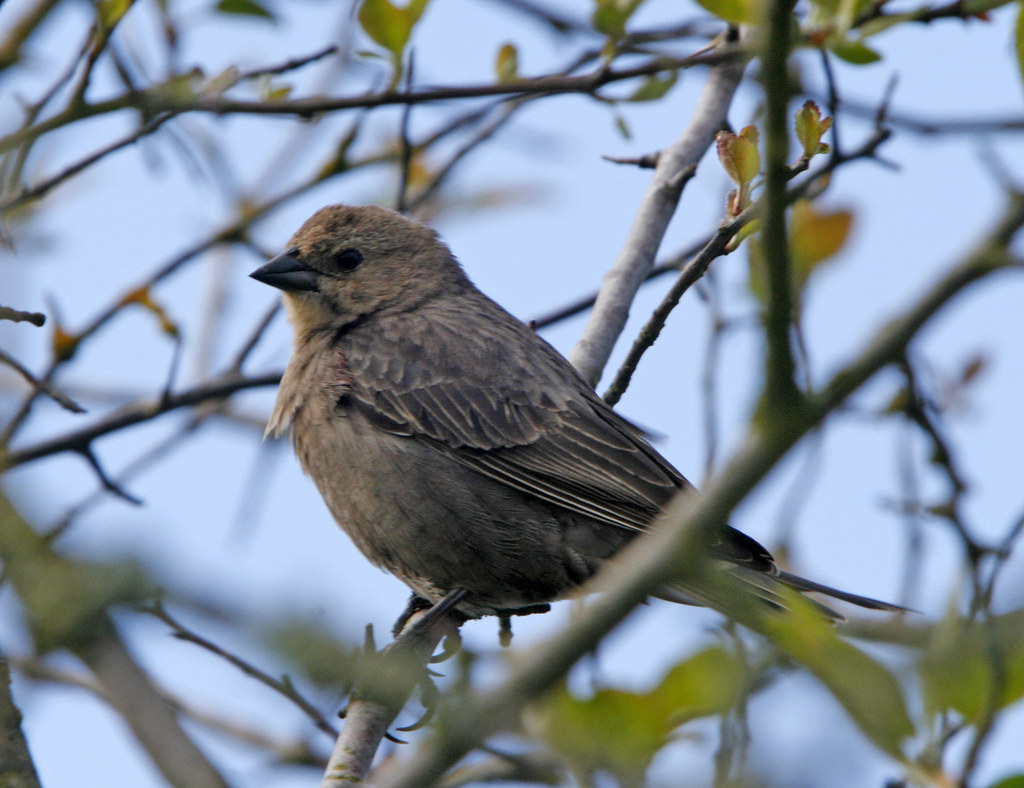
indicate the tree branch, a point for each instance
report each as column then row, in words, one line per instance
column 780, row 391
column 636, row 259
column 383, row 689
column 132, row 694
column 137, row 413
column 670, row 550
column 159, row 99
column 16, row 767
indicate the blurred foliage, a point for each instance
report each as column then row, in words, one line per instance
column 620, row 732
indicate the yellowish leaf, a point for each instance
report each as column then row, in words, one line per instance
column 810, row 128
column 507, row 63
column 738, row 154
column 814, row 238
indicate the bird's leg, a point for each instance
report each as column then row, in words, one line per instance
column 437, row 615
column 441, row 609
column 414, row 605
column 444, row 614
column 505, row 620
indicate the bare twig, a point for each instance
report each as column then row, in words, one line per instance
column 157, row 100
column 19, row 32
column 135, row 467
column 20, row 316
column 43, row 187
column 292, row 64
column 406, row 148
column 50, row 391
column 257, row 333
column 282, row 686
column 690, row 273
column 139, row 412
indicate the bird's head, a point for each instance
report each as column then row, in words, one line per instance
column 348, row 262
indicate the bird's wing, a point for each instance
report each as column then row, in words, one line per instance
column 501, row 401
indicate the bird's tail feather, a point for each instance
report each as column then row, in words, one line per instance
column 803, row 584
column 769, row 590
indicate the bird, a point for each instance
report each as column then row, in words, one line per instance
column 458, row 449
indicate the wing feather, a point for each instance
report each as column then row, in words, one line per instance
column 501, row 401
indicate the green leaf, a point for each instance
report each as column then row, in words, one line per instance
column 737, row 12
column 622, row 125
column 391, row 26
column 1013, row 781
column 707, row 683
column 386, row 24
column 810, row 128
column 870, row 694
column 738, row 154
column 814, row 237
column 838, row 15
column 654, row 87
column 245, row 7
column 109, row 12
column 610, row 16
column 614, row 730
column 621, row 731
column 271, row 90
column 856, row 52
column 975, row 668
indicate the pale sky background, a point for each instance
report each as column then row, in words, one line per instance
column 106, row 231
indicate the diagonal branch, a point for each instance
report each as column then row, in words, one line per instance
column 670, row 550
column 636, row 259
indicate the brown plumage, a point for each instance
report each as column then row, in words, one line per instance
column 456, row 447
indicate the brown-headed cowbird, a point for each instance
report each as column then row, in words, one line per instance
column 455, row 446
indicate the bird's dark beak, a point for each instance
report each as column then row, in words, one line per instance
column 287, row 273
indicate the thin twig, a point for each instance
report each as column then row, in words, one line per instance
column 20, row 316
column 50, row 391
column 283, row 687
column 157, row 100
column 137, row 413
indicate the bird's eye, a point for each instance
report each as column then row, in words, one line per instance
column 348, row 259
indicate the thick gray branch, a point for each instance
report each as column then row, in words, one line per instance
column 636, row 259
column 155, row 725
